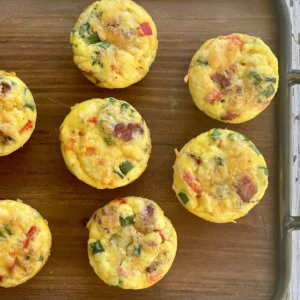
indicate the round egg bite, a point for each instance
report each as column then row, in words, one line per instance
column 17, row 113
column 114, row 43
column 233, row 78
column 220, row 175
column 25, row 242
column 105, row 143
column 131, row 244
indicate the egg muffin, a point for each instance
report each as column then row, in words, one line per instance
column 131, row 243
column 220, row 175
column 25, row 242
column 17, row 113
column 233, row 78
column 105, row 143
column 114, row 43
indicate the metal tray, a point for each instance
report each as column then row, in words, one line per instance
column 288, row 77
column 213, row 262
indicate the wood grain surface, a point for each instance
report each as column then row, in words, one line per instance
column 213, row 262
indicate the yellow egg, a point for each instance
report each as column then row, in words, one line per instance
column 220, row 175
column 25, row 242
column 131, row 244
column 233, row 78
column 105, row 143
column 114, row 43
column 17, row 113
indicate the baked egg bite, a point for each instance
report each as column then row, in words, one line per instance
column 220, row 175
column 114, row 43
column 233, row 78
column 17, row 113
column 131, row 243
column 25, row 242
column 105, row 143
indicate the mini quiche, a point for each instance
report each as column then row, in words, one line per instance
column 131, row 244
column 220, row 175
column 105, row 143
column 114, row 43
column 17, row 113
column 233, row 78
column 25, row 242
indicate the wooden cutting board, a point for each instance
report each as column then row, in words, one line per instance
column 213, row 262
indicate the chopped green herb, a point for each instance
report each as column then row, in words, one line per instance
column 93, row 38
column 119, row 174
column 215, row 135
column 83, row 29
column 185, row 199
column 108, row 141
column 99, row 16
column 124, row 106
column 265, row 170
column 219, row 161
column 239, row 205
column 105, row 44
column 255, row 78
column 127, row 221
column 29, row 105
column 125, row 167
column 245, row 138
column 233, row 136
column 202, row 62
column 269, row 91
column 252, row 146
column 41, row 258
column 112, row 100
column 137, row 251
column 5, row 233
column 270, row 79
column 118, row 285
column 147, row 147
column 96, row 247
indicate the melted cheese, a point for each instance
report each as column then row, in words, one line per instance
column 248, row 71
column 99, row 153
column 131, row 244
column 114, row 43
column 207, row 170
column 17, row 113
column 25, row 242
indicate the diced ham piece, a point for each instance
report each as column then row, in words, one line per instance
column 221, row 79
column 125, row 132
column 192, row 182
column 5, row 87
column 195, row 157
column 246, row 188
column 230, row 116
column 150, row 210
column 152, row 267
column 239, row 89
